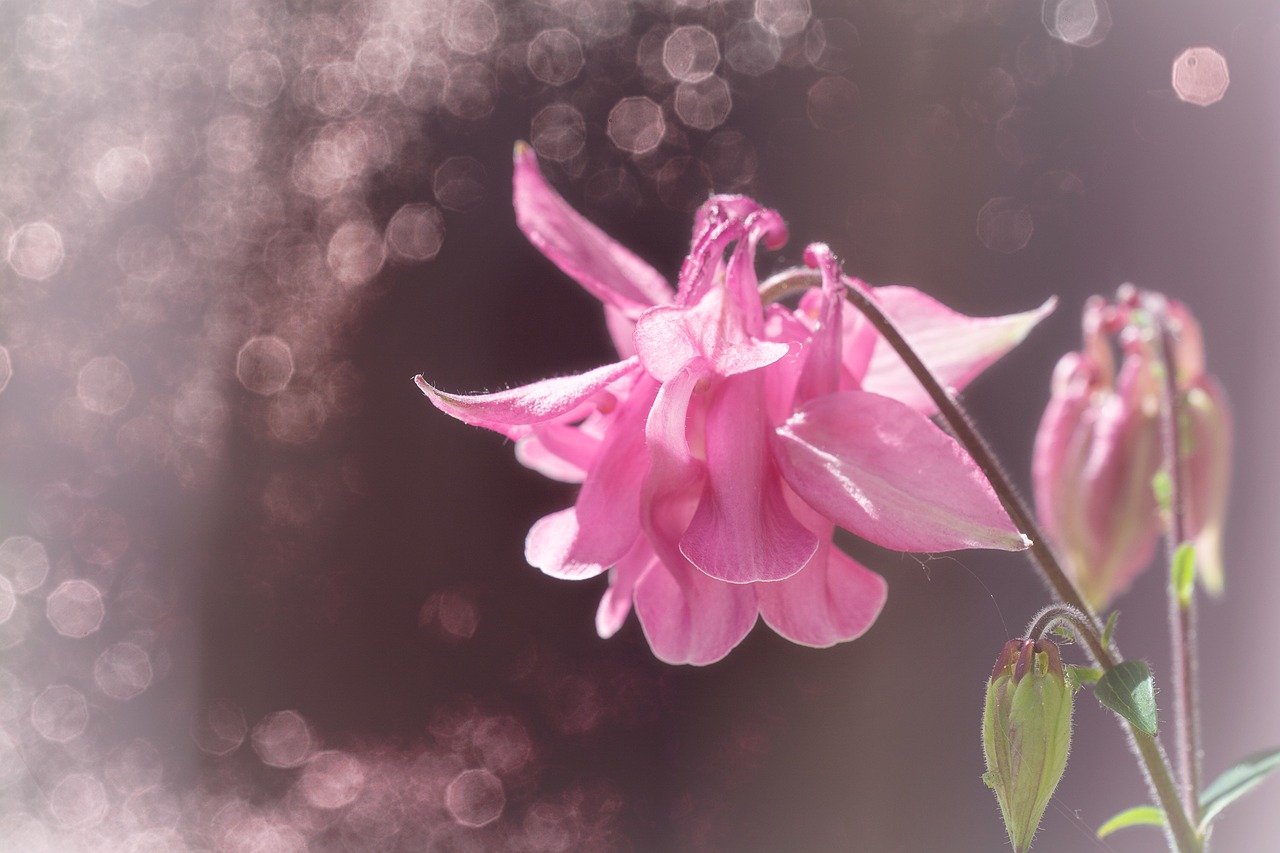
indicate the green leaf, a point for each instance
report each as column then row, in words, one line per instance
column 1136, row 816
column 1127, row 689
column 1235, row 783
column 1063, row 633
column 1079, row 676
column 1162, row 485
column 1182, row 573
column 1110, row 628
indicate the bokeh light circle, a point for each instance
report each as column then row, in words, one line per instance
column 475, row 798
column 636, row 125
column 1200, row 76
column 282, row 739
column 264, row 365
column 555, row 56
column 35, row 251
column 75, row 608
column 60, row 713
column 1005, row 225
column 691, row 53
column 558, row 132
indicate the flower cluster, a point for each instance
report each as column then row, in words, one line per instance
column 1099, row 447
column 720, row 452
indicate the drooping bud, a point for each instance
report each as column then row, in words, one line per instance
column 1096, row 452
column 1099, row 446
column 1026, row 733
column 1206, row 451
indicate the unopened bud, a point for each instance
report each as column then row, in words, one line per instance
column 1026, row 733
column 1100, row 446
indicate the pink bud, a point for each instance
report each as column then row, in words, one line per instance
column 1099, row 446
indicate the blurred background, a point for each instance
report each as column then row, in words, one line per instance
column 256, row 594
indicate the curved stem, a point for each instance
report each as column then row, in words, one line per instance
column 1080, row 626
column 1183, row 835
column 963, row 428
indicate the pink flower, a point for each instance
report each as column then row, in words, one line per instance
column 1099, row 448
column 717, row 457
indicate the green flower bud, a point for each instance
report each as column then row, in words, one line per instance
column 1026, row 733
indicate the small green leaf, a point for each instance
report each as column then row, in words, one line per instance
column 1127, row 689
column 1079, row 676
column 1235, row 783
column 1183, row 573
column 1136, row 816
column 1162, row 485
column 1110, row 628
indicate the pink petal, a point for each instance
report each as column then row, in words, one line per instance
column 547, row 546
column 605, row 521
column 822, row 365
column 604, row 268
column 955, row 347
column 615, row 604
column 743, row 530
column 622, row 330
column 715, row 227
column 669, row 337
column 883, row 471
column 675, row 478
column 1061, row 443
column 831, row 600
column 689, row 617
column 510, row 411
column 1208, row 415
column 557, row 450
column 742, row 286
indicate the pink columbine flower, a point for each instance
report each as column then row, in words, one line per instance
column 719, row 454
column 1099, row 448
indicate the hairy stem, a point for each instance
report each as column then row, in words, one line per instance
column 1182, row 832
column 1181, row 613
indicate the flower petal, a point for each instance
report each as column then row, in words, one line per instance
column 688, row 617
column 605, row 521
column 615, row 604
column 822, row 364
column 675, row 478
column 609, row 272
column 510, row 411
column 548, row 542
column 622, row 330
column 669, row 337
column 954, row 346
column 831, row 600
column 743, row 530
column 560, row 451
column 883, row 471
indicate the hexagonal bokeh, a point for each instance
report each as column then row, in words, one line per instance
column 1200, row 76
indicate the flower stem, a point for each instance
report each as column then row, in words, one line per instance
column 1183, row 835
column 1181, row 612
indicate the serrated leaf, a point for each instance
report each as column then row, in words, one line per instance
column 1110, row 628
column 1127, row 689
column 1235, row 783
column 1136, row 816
column 1182, row 573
